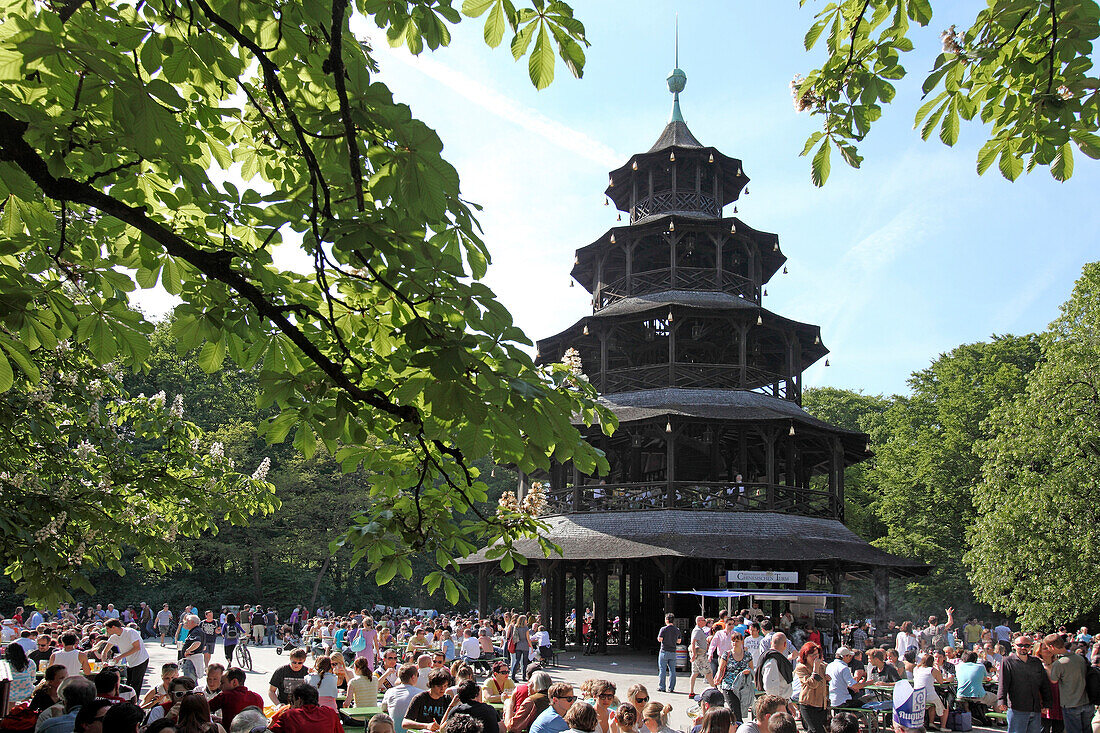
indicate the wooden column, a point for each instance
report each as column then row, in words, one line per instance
column 526, row 572
column 578, row 577
column 546, row 592
column 840, row 482
column 629, row 250
column 672, row 238
column 604, row 336
column 576, row 488
column 769, row 452
column 743, row 353
column 671, row 351
column 558, row 575
column 719, row 245
column 635, row 604
column 670, row 464
column 600, row 591
column 882, row 597
column 622, row 604
column 483, row 590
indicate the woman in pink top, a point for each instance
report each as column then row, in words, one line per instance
column 370, row 636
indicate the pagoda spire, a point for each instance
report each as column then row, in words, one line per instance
column 677, row 79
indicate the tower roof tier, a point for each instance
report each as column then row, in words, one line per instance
column 677, row 164
column 588, row 258
column 586, row 333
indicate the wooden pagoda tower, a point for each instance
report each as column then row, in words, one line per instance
column 715, row 465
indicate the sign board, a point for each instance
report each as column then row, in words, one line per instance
column 909, row 705
column 760, row 576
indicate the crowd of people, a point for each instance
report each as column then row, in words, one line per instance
column 83, row 670
column 1037, row 682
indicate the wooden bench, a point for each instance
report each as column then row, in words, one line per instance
column 868, row 716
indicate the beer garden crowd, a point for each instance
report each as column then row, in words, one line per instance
column 83, row 669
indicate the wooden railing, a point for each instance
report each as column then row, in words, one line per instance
column 692, row 495
column 687, row 278
column 697, row 376
column 675, row 201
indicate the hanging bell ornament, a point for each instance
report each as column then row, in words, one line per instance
column 586, row 330
column 765, row 291
column 735, row 209
column 760, row 320
column 746, row 190
column 784, row 269
column 672, row 157
column 570, row 283
column 611, row 183
column 826, row 362
column 670, row 316
column 668, row 427
column 775, row 247
column 613, row 238
column 792, row 430
column 711, row 158
column 635, row 165
column 733, row 228
column 672, row 226
column 619, row 217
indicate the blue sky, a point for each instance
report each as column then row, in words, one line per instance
column 898, row 262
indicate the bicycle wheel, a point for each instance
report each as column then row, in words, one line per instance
column 244, row 657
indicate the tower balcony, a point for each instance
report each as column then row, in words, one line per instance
column 689, row 203
column 676, row 278
column 707, row 496
column 695, row 376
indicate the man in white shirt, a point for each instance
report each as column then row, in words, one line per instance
column 776, row 673
column 754, row 643
column 842, row 683
column 471, row 650
column 131, row 649
column 395, row 702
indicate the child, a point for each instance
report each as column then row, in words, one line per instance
column 168, row 672
column 325, row 682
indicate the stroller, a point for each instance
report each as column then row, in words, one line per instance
column 290, row 641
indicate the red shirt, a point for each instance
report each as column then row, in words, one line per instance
column 310, row 719
column 231, row 702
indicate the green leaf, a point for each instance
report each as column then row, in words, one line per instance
column 813, row 34
column 11, row 223
column 495, row 25
column 819, row 168
column 523, row 40
column 1062, row 166
column 541, row 64
column 7, row 377
column 949, row 130
column 988, row 154
column 810, row 142
column 475, row 8
column 212, row 355
column 1087, row 143
column 1010, row 164
column 920, row 11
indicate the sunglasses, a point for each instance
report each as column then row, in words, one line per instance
column 569, row 698
column 641, row 699
column 179, row 694
column 607, row 695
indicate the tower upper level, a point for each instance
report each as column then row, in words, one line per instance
column 678, row 175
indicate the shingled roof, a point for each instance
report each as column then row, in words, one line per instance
column 764, row 536
column 726, row 404
column 676, row 133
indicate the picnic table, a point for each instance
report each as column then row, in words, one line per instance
column 367, row 711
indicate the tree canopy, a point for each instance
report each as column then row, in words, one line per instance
column 926, row 465
column 91, row 472
column 1020, row 67
column 118, row 125
column 1035, row 544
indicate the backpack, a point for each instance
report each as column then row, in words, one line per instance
column 1092, row 684
column 231, row 631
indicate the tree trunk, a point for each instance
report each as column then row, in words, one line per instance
column 257, row 585
column 317, row 584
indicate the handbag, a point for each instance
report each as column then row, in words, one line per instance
column 511, row 643
column 960, row 720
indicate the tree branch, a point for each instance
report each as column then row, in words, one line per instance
column 215, row 265
column 335, row 66
column 852, row 38
column 1053, row 42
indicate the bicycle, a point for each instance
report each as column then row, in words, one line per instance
column 242, row 655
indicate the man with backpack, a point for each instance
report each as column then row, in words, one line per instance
column 1071, row 672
